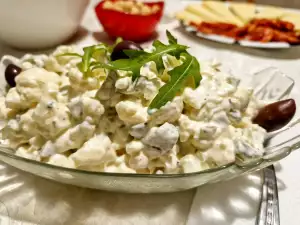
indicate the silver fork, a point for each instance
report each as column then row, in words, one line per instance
column 269, row 205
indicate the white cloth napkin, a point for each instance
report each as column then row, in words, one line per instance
column 232, row 202
column 26, row 199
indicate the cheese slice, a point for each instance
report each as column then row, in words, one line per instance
column 269, row 12
column 188, row 17
column 245, row 11
column 293, row 18
column 205, row 14
column 222, row 9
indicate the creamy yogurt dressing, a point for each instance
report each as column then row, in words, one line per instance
column 101, row 123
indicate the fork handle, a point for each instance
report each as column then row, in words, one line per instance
column 269, row 206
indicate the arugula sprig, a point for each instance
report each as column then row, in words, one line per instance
column 179, row 76
column 137, row 58
column 92, row 54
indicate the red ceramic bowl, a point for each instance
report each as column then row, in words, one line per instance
column 129, row 27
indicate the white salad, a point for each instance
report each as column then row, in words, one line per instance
column 73, row 111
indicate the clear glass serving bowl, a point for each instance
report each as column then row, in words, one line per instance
column 270, row 84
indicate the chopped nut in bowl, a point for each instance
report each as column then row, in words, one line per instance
column 131, row 20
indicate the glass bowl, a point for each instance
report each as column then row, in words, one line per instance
column 127, row 26
column 270, row 84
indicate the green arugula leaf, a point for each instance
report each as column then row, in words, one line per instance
column 86, row 58
column 179, row 75
column 171, row 38
column 134, row 64
column 134, row 53
column 96, row 52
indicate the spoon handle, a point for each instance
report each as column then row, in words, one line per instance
column 269, row 205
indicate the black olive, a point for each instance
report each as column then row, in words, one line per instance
column 276, row 115
column 120, row 47
column 11, row 72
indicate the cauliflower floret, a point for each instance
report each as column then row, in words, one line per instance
column 27, row 123
column 147, row 88
column 85, row 108
column 142, row 87
column 122, row 168
column 168, row 113
column 3, row 109
column 51, row 118
column 31, row 85
column 35, row 82
column 134, row 147
column 81, row 84
column 196, row 130
column 29, row 61
column 222, row 152
column 132, row 112
column 119, row 166
column 74, row 137
column 36, row 143
column 15, row 101
column 191, row 163
column 220, row 119
column 249, row 140
column 5, row 113
column 195, row 98
column 170, row 62
column 241, row 98
column 254, row 106
column 163, row 138
column 61, row 64
column 61, row 160
column 95, row 151
column 13, row 133
column 138, row 161
column 149, row 70
column 210, row 89
column 123, row 83
column 139, row 130
column 65, row 90
column 48, row 149
column 170, row 161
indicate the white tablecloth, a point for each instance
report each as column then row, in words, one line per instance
column 33, row 200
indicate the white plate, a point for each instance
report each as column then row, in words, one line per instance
column 244, row 43
column 227, row 40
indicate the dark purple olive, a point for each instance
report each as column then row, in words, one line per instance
column 276, row 115
column 10, row 73
column 120, row 47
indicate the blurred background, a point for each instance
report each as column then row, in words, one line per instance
column 282, row 3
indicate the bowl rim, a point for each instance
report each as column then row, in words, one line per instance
column 4, row 152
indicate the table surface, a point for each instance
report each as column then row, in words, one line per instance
column 33, row 200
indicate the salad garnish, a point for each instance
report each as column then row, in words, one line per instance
column 138, row 58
